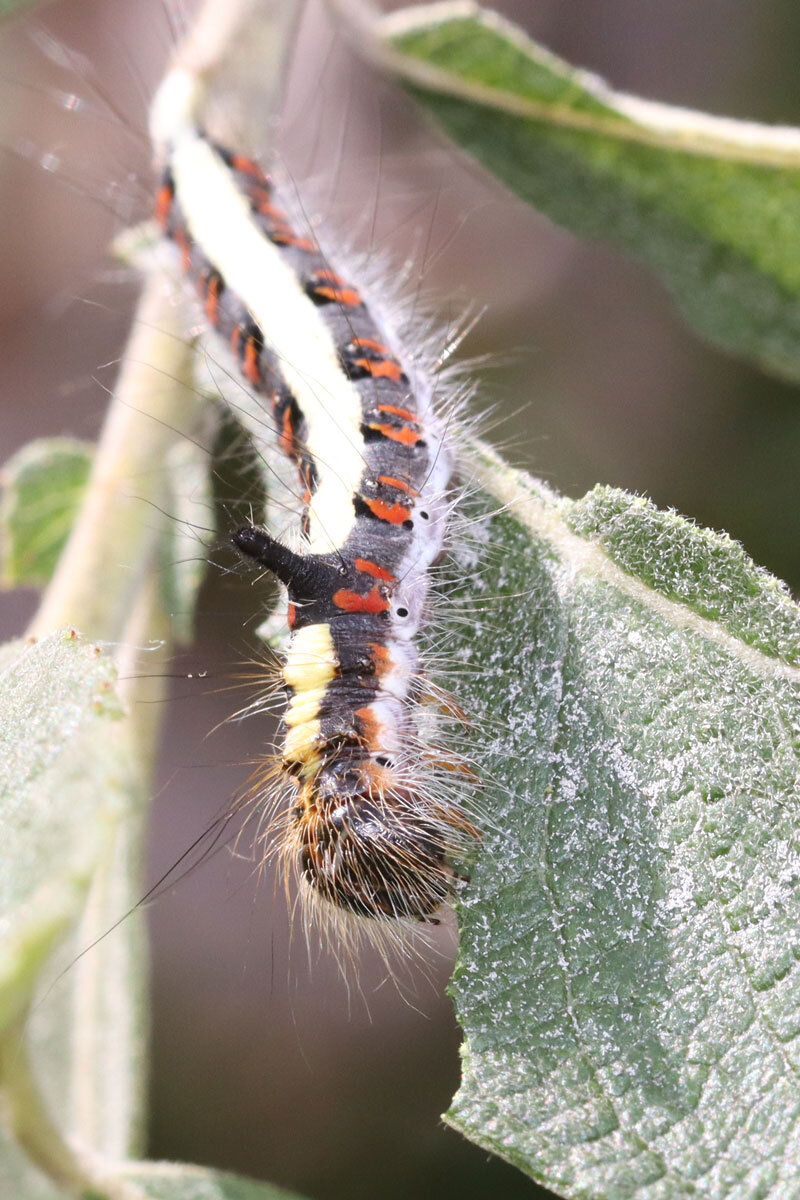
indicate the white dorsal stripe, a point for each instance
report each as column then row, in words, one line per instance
column 219, row 220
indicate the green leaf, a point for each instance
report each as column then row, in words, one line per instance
column 177, row 1181
column 628, row 981
column 57, row 700
column 43, row 485
column 157, row 1181
column 712, row 205
column 70, row 794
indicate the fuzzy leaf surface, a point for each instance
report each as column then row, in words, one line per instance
column 54, row 693
column 69, row 788
column 628, row 981
column 712, row 205
column 43, row 485
column 179, row 1181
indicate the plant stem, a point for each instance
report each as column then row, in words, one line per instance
column 28, row 1120
column 115, row 535
column 78, row 1174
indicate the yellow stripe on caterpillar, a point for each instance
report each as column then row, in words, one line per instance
column 301, row 744
column 304, row 706
column 312, row 661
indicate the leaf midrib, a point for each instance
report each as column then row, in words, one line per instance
column 540, row 515
column 643, row 122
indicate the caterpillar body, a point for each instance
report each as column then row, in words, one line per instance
column 369, row 826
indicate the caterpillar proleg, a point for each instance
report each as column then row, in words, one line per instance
column 372, row 829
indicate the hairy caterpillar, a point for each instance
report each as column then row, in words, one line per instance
column 239, row 957
column 371, row 830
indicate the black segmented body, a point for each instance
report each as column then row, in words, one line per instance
column 368, row 839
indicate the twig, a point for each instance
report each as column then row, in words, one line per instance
column 113, row 541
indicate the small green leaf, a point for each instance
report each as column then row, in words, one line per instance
column 628, row 982
column 43, row 485
column 712, row 205
column 178, row 1181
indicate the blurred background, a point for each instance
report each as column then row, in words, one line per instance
column 264, row 1062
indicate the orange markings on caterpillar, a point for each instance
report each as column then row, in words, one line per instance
column 349, row 297
column 251, row 367
column 380, row 363
column 371, row 344
column 381, row 658
column 307, row 474
column 371, row 568
column 370, row 727
column 285, row 237
column 355, row 602
column 384, row 369
column 287, row 438
column 184, row 244
column 164, row 197
column 397, row 412
column 327, row 285
column 398, row 483
column 249, row 166
column 266, row 208
column 213, row 290
column 406, row 437
column 394, row 514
